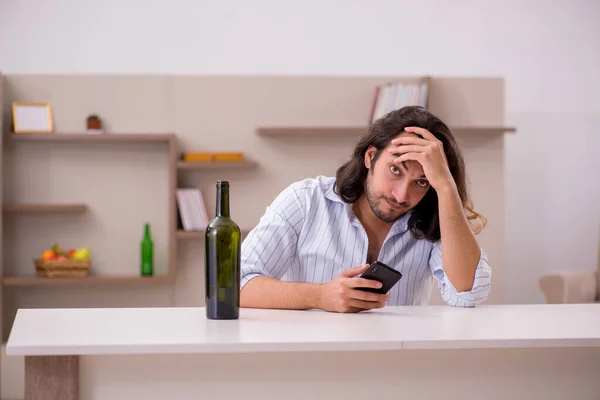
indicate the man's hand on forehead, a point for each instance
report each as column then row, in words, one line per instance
column 420, row 145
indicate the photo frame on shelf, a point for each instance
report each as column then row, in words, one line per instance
column 32, row 117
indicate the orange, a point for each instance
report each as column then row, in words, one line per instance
column 48, row 255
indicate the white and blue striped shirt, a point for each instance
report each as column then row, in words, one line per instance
column 308, row 234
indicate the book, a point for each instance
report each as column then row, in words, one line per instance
column 212, row 157
column 395, row 95
column 192, row 209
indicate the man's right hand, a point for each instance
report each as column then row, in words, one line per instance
column 340, row 295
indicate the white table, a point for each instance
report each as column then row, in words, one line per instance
column 517, row 351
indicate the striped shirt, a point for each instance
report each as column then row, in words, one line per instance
column 308, row 234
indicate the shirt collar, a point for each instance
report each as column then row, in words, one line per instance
column 399, row 226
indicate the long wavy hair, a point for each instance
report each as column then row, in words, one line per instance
column 424, row 221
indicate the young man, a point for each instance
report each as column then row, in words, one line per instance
column 401, row 199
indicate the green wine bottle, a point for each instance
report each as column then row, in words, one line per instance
column 147, row 253
column 222, row 258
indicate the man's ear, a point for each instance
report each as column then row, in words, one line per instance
column 369, row 154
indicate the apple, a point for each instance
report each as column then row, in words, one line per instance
column 82, row 254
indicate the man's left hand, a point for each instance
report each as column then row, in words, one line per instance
column 428, row 151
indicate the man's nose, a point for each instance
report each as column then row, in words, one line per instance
column 400, row 192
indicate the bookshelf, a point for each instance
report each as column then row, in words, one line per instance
column 13, row 140
column 112, row 139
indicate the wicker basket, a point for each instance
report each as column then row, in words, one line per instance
column 62, row 269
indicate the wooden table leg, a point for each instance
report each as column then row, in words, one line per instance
column 51, row 377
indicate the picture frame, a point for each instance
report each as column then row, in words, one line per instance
column 32, row 117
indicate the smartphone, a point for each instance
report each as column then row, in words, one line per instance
column 378, row 271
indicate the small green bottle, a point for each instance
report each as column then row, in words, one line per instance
column 147, row 248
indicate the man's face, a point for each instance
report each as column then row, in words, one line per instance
column 393, row 189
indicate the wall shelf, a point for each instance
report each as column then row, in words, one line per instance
column 312, row 131
column 90, row 280
column 84, row 137
column 44, row 208
column 482, row 130
column 191, row 165
column 359, row 130
column 181, row 234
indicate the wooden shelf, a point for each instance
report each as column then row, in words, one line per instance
column 199, row 234
column 482, row 130
column 360, row 130
column 215, row 164
column 313, row 131
column 84, row 137
column 44, row 208
column 90, row 280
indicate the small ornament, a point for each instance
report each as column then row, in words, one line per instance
column 94, row 125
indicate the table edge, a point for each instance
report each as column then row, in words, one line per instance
column 240, row 348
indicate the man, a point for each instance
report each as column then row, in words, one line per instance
column 401, row 199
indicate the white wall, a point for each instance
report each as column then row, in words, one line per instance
column 548, row 51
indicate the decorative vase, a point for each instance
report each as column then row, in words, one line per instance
column 94, row 125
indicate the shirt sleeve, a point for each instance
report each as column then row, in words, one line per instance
column 481, row 285
column 269, row 248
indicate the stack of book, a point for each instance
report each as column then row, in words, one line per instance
column 392, row 96
column 197, row 156
column 192, row 209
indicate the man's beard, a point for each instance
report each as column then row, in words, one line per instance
column 374, row 202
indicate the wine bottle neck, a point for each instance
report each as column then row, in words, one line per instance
column 147, row 232
column 223, row 201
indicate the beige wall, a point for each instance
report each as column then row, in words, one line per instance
column 126, row 184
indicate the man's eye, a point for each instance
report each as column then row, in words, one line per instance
column 395, row 170
column 422, row 183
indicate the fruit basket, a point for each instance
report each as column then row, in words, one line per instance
column 62, row 268
column 57, row 263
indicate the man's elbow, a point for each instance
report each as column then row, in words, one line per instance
column 251, row 290
column 463, row 284
column 468, row 295
column 247, row 297
column 475, row 296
